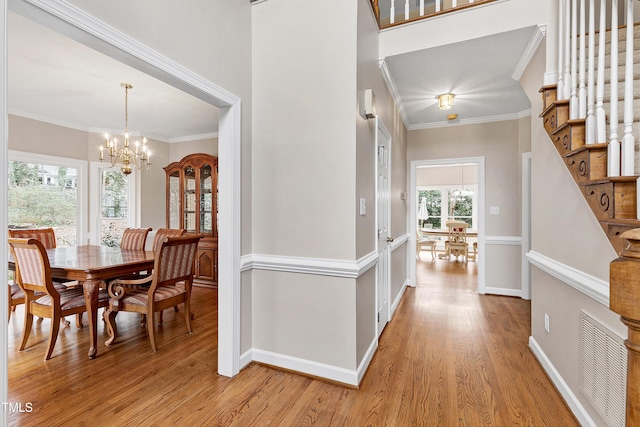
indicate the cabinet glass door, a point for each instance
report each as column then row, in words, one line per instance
column 190, row 199
column 206, row 200
column 174, row 200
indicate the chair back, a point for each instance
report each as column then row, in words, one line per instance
column 165, row 232
column 46, row 235
column 134, row 239
column 457, row 231
column 33, row 271
column 175, row 260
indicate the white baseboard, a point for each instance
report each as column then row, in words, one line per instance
column 246, row 358
column 316, row 369
column 366, row 360
column 398, row 298
column 503, row 291
column 574, row 404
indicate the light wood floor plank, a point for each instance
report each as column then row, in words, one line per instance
column 450, row 357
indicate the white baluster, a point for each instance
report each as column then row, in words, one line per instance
column 561, row 36
column 628, row 140
column 582, row 89
column 421, row 7
column 392, row 12
column 567, row 51
column 613, row 154
column 601, row 126
column 573, row 111
column 454, row 3
column 590, row 123
column 406, row 10
column 438, row 5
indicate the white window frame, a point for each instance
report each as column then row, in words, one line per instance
column 81, row 184
column 133, row 214
column 444, row 205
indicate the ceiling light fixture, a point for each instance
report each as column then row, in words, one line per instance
column 445, row 101
column 138, row 156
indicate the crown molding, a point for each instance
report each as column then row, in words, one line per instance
column 528, row 53
column 477, row 120
column 188, row 138
column 393, row 89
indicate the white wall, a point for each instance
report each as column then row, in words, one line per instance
column 472, row 23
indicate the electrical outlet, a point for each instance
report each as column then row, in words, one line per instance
column 546, row 322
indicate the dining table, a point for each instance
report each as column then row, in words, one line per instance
column 91, row 266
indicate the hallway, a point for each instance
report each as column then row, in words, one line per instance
column 449, row 357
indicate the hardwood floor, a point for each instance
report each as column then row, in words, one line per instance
column 450, row 357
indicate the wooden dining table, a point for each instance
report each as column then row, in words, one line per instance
column 91, row 265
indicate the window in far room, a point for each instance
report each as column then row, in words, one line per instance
column 437, row 205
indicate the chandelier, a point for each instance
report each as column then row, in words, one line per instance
column 126, row 155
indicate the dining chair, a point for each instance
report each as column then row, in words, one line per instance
column 424, row 242
column 456, row 243
column 134, row 239
column 174, row 263
column 33, row 276
column 47, row 237
column 133, row 281
column 166, row 232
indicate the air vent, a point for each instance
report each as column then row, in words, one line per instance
column 604, row 370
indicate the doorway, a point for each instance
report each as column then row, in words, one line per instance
column 446, row 194
column 83, row 28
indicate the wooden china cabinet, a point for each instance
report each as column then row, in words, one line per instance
column 192, row 204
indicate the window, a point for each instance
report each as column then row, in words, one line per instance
column 114, row 196
column 113, row 204
column 45, row 191
column 443, row 203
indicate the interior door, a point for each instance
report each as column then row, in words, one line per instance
column 383, row 216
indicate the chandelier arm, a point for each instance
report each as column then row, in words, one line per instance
column 125, row 155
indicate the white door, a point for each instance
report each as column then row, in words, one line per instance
column 383, row 142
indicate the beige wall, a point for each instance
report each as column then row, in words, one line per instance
column 499, row 144
column 180, row 149
column 447, row 175
column 565, row 230
column 34, row 136
column 304, row 177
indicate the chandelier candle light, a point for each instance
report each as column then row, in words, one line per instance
column 138, row 156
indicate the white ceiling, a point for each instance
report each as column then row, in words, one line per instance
column 478, row 72
column 57, row 80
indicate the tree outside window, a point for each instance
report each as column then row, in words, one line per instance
column 114, row 207
column 444, row 203
column 41, row 196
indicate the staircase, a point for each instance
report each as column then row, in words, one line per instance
column 613, row 200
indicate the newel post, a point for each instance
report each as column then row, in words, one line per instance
column 625, row 300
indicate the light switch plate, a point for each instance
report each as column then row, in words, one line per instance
column 363, row 206
column 494, row 210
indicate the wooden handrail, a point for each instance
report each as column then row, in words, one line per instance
column 376, row 10
column 623, row 299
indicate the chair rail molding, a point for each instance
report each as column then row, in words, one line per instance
column 349, row 269
column 589, row 285
column 503, row 240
